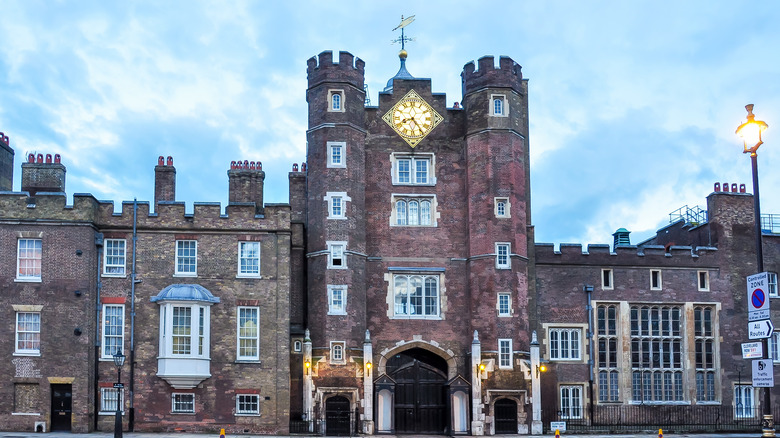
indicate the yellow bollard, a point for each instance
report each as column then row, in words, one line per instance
column 222, row 433
column 557, row 433
column 660, row 433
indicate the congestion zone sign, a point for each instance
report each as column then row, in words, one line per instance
column 758, row 302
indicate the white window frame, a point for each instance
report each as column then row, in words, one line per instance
column 331, row 100
column 703, row 281
column 199, row 334
column 34, row 330
column 250, row 258
column 338, row 348
column 24, row 257
column 115, row 258
column 243, row 412
column 501, row 207
column 342, row 148
column 500, row 306
column 337, row 251
column 607, row 279
column 397, row 159
column 108, row 401
column 177, row 398
column 571, row 404
column 772, row 343
column 505, row 354
column 187, row 273
column 105, row 352
column 653, row 273
column 503, row 255
column 297, row 346
column 565, row 343
column 247, row 336
column 404, row 217
column 337, row 198
column 333, row 308
column 771, row 279
column 406, row 299
column 504, row 112
column 740, row 391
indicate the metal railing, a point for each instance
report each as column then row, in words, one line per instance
column 671, row 418
column 341, row 423
column 770, row 223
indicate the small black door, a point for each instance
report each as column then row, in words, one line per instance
column 337, row 416
column 61, row 407
column 506, row 416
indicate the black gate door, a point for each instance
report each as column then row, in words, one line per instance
column 419, row 398
column 506, row 416
column 337, row 416
column 61, row 406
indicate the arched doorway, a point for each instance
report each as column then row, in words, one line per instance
column 506, row 416
column 337, row 415
column 420, row 377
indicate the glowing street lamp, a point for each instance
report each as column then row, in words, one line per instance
column 750, row 131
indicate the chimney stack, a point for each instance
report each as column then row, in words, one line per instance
column 6, row 164
column 39, row 176
column 164, row 181
column 245, row 183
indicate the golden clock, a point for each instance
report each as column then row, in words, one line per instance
column 412, row 118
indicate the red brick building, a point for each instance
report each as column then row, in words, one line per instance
column 400, row 290
column 198, row 303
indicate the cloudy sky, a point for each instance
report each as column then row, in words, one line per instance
column 633, row 104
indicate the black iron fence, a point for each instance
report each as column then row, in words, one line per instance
column 670, row 418
column 332, row 423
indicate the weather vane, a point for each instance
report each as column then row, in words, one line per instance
column 403, row 39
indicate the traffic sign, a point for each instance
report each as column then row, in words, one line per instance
column 760, row 329
column 119, row 385
column 752, row 350
column 757, row 286
column 763, row 373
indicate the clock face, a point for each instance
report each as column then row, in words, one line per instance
column 412, row 118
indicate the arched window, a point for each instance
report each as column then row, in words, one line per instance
column 400, row 212
column 413, row 213
column 425, row 212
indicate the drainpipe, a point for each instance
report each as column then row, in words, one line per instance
column 133, row 281
column 95, row 407
column 588, row 289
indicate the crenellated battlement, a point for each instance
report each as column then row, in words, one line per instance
column 348, row 69
column 48, row 207
column 624, row 255
column 508, row 74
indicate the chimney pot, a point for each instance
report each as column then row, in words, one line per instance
column 741, row 188
column 295, row 167
column 734, row 187
column 31, row 158
column 303, row 167
column 161, row 161
column 40, row 158
column 57, row 158
column 48, row 158
column 717, row 187
column 725, row 187
column 170, row 161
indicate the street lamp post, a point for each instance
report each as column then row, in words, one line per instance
column 750, row 131
column 119, row 360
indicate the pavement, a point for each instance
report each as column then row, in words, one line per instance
column 757, row 434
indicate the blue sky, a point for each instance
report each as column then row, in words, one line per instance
column 633, row 104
